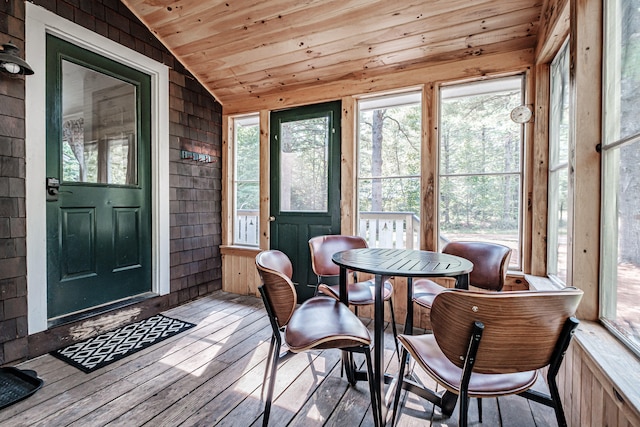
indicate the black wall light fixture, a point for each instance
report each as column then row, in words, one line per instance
column 11, row 63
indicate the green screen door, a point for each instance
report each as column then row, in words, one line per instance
column 305, row 184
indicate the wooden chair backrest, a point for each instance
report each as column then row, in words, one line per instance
column 323, row 247
column 490, row 262
column 521, row 328
column 275, row 271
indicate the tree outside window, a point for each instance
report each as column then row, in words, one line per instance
column 246, row 183
column 389, row 139
column 558, row 167
column 480, row 164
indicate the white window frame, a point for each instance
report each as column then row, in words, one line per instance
column 555, row 169
column 250, row 119
column 489, row 86
column 407, row 97
column 612, row 142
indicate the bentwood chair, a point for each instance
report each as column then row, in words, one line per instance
column 490, row 263
column 318, row 323
column 360, row 293
column 490, row 344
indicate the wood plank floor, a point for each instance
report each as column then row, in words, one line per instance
column 212, row 375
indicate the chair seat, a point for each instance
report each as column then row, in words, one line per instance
column 424, row 291
column 360, row 293
column 323, row 322
column 425, row 350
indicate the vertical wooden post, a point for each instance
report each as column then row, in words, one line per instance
column 429, row 171
column 265, row 180
column 227, row 182
column 348, row 159
column 528, row 174
column 584, row 160
column 540, row 170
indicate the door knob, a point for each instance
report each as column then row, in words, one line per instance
column 272, row 218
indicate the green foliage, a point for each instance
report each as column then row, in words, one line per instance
column 70, row 165
column 399, row 157
column 304, row 159
column 480, row 163
column 480, row 156
column 247, row 167
column 248, row 153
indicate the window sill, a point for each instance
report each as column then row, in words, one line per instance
column 616, row 364
column 249, row 251
column 539, row 283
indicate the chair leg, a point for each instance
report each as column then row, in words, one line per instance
column 272, row 381
column 557, row 403
column 406, row 323
column 469, row 362
column 376, row 399
column 351, row 369
column 464, row 408
column 479, row 409
column 393, row 327
column 396, row 400
column 268, row 364
column 556, row 361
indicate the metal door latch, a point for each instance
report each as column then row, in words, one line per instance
column 53, row 186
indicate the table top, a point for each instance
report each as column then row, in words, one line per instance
column 402, row 262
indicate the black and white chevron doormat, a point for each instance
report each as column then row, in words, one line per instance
column 104, row 349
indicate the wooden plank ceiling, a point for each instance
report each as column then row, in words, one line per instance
column 242, row 49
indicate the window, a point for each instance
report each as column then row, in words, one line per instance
column 100, row 135
column 558, row 167
column 304, row 163
column 246, row 183
column 620, row 250
column 389, row 139
column 480, row 166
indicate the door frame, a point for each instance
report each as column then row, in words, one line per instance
column 316, row 219
column 38, row 23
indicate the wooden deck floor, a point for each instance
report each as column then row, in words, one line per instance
column 212, row 375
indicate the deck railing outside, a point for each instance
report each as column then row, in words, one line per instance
column 398, row 230
column 246, row 230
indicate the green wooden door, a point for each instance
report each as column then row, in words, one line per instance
column 305, row 184
column 98, row 180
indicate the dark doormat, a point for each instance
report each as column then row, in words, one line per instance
column 109, row 347
column 16, row 384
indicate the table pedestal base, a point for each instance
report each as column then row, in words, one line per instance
column 446, row 401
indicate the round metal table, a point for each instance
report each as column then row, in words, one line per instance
column 386, row 263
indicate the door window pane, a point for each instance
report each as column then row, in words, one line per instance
column 304, row 161
column 99, row 127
